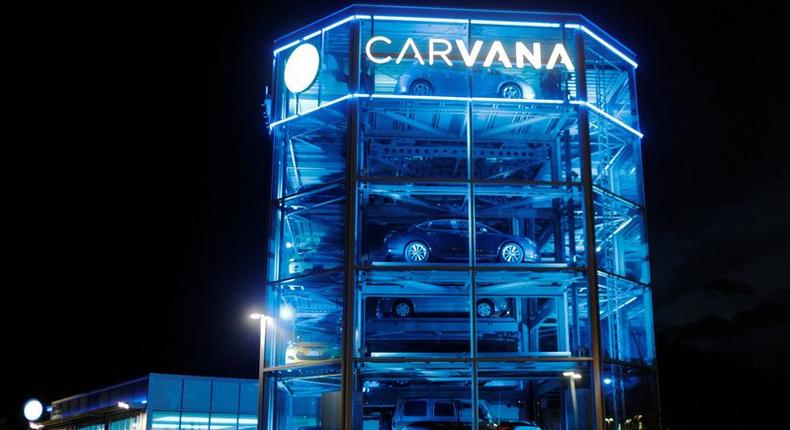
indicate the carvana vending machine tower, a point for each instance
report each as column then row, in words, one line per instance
column 457, row 227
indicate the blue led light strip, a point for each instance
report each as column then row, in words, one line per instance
column 418, row 19
column 631, row 300
column 311, row 35
column 410, row 97
column 461, row 99
column 516, row 23
column 286, row 46
column 309, row 111
column 604, row 43
column 338, row 24
column 500, row 100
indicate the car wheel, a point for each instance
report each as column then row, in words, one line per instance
column 510, row 91
column 421, row 87
column 416, row 252
column 484, row 308
column 511, row 253
column 402, row 309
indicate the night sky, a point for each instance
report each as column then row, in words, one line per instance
column 137, row 172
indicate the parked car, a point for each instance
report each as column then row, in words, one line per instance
column 440, row 79
column 302, row 352
column 439, row 414
column 314, row 262
column 447, row 239
column 403, row 307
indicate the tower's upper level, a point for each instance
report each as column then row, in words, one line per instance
column 394, row 51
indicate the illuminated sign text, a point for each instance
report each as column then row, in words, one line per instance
column 440, row 50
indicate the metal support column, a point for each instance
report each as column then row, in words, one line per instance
column 350, row 273
column 472, row 243
column 589, row 227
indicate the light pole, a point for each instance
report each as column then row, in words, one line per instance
column 572, row 377
column 265, row 319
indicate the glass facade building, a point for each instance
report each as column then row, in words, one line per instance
column 161, row 402
column 457, row 226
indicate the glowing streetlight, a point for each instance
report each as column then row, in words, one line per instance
column 286, row 313
column 265, row 320
column 572, row 377
column 123, row 405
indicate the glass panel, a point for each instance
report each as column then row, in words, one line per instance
column 165, row 420
column 415, row 313
column 312, row 150
column 616, row 159
column 609, row 85
column 534, row 396
column 335, row 63
column 621, row 244
column 526, row 142
column 524, row 225
column 124, row 424
column 308, row 399
column 248, row 397
column 523, row 63
column 414, row 72
column 629, row 398
column 194, row 421
column 223, row 422
column 312, row 232
column 407, row 224
column 224, row 396
column 414, row 139
column 626, row 320
column 164, row 392
column 248, row 422
column 197, row 394
column 308, row 318
column 413, row 396
column 537, row 314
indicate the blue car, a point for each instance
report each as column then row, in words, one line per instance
column 443, row 80
column 446, row 239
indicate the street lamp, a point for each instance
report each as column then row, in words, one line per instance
column 572, row 377
column 265, row 319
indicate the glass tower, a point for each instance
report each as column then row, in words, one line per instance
column 457, row 226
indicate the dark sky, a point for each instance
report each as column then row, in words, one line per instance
column 136, row 168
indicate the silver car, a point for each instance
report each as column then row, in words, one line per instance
column 404, row 307
column 443, row 80
column 431, row 414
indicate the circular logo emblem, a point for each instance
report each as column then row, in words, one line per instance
column 301, row 68
column 33, row 410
